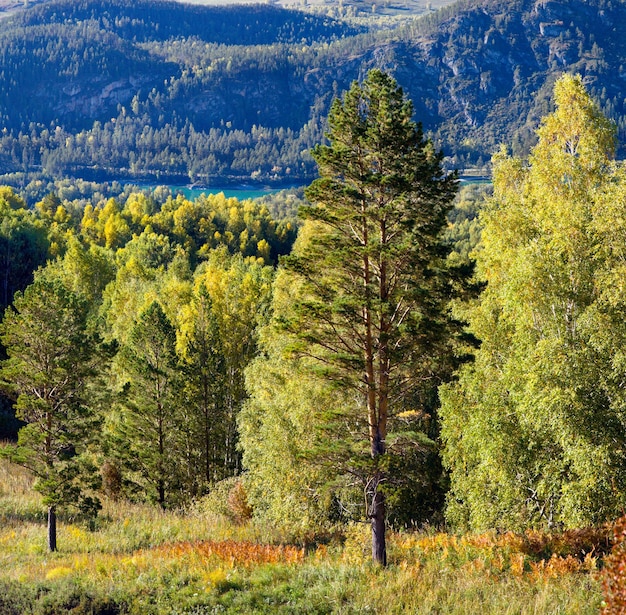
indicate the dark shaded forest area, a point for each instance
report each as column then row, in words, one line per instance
column 171, row 92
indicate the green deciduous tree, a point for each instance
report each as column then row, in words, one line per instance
column 534, row 429
column 23, row 245
column 240, row 291
column 148, row 269
column 85, row 271
column 371, row 308
column 280, row 429
column 52, row 357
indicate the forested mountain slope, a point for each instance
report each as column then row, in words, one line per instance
column 74, row 62
column 149, row 20
column 163, row 90
column 491, row 65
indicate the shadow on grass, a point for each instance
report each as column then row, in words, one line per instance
column 40, row 599
column 15, row 517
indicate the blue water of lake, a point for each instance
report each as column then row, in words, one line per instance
column 241, row 193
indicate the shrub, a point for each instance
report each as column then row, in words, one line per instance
column 215, row 503
column 614, row 573
column 238, row 507
column 64, row 597
column 227, row 499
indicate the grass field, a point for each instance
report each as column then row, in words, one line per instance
column 138, row 560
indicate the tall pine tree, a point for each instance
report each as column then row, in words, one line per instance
column 373, row 300
column 148, row 430
column 51, row 358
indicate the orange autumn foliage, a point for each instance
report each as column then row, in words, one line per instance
column 614, row 573
column 237, row 553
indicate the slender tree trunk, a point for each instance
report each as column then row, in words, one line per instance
column 161, row 464
column 377, row 507
column 207, row 429
column 52, row 529
column 6, row 274
column 379, row 544
column 161, row 489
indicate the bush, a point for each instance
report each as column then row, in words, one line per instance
column 15, row 599
column 239, row 509
column 614, row 573
column 227, row 499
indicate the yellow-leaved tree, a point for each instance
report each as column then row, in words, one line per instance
column 534, row 429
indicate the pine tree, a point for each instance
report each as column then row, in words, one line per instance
column 373, row 300
column 148, row 430
column 52, row 356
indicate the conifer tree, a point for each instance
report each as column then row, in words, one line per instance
column 372, row 306
column 204, row 392
column 52, row 357
column 148, row 432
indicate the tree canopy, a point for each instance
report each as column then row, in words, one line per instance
column 534, row 428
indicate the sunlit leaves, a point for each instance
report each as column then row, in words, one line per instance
column 535, row 426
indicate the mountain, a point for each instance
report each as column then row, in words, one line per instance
column 163, row 90
column 74, row 61
column 491, row 66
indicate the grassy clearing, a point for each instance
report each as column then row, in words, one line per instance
column 139, row 560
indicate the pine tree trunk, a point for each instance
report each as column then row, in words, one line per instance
column 52, row 529
column 379, row 545
column 161, row 491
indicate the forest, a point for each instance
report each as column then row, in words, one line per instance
column 408, row 397
column 168, row 92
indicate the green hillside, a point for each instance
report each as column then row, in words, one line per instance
column 169, row 91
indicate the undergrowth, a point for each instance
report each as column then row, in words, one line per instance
column 138, row 560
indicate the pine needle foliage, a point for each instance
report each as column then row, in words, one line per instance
column 372, row 307
column 52, row 356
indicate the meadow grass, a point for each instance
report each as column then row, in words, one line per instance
column 138, row 560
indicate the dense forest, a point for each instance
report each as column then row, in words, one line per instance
column 197, row 337
column 199, row 258
column 156, row 349
column 167, row 91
